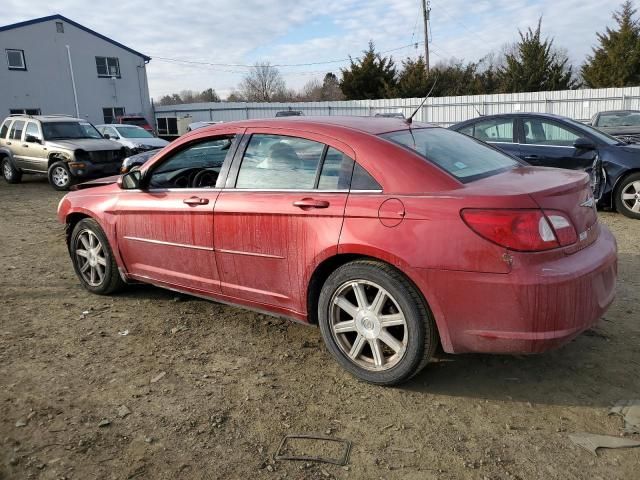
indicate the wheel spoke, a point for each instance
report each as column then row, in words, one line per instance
column 84, row 241
column 628, row 196
column 357, row 346
column 102, row 261
column 344, row 327
column 100, row 273
column 387, row 338
column 378, row 357
column 636, row 185
column 361, row 297
column 636, row 207
column 393, row 320
column 347, row 306
column 82, row 253
column 85, row 266
column 93, row 274
column 378, row 302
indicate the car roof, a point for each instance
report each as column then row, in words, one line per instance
column 618, row 111
column 47, row 118
column 370, row 125
column 118, row 125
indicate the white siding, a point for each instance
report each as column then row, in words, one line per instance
column 578, row 104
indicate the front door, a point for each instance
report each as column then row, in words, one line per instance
column 34, row 155
column 499, row 132
column 280, row 215
column 547, row 143
column 165, row 231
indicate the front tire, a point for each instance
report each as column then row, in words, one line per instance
column 375, row 323
column 59, row 176
column 93, row 258
column 627, row 196
column 10, row 173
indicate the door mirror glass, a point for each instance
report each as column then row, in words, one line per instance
column 131, row 180
column 584, row 144
column 32, row 139
column 107, row 136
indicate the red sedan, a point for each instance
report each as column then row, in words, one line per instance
column 391, row 237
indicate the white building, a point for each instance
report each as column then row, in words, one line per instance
column 53, row 65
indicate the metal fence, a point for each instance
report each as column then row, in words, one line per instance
column 577, row 104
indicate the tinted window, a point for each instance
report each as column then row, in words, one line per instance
column 32, row 129
column 619, row 119
column 4, row 129
column 494, row 130
column 468, row 130
column 545, row 132
column 279, row 162
column 362, row 180
column 184, row 169
column 461, row 156
column 16, row 130
column 336, row 171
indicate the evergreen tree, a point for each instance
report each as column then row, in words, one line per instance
column 534, row 65
column 616, row 61
column 369, row 77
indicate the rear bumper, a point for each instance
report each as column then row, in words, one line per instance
column 536, row 307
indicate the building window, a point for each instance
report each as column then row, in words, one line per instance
column 15, row 59
column 167, row 126
column 24, row 111
column 59, row 27
column 108, row 67
column 111, row 114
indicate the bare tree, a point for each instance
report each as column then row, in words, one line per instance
column 263, row 83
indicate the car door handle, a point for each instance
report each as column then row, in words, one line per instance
column 531, row 157
column 307, row 203
column 25, row 145
column 196, row 201
column 8, row 143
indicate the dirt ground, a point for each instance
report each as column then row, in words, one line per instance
column 211, row 390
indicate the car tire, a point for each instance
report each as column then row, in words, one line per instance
column 627, row 196
column 93, row 259
column 387, row 340
column 60, row 176
column 10, row 173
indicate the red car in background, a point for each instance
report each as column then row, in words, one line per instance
column 137, row 120
column 392, row 237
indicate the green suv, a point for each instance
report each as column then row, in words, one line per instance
column 64, row 148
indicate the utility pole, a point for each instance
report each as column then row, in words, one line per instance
column 426, row 11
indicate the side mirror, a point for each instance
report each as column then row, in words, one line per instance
column 32, row 139
column 130, row 181
column 107, row 136
column 584, row 144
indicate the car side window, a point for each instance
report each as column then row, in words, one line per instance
column 196, row 166
column 362, row 180
column 16, row 130
column 337, row 169
column 5, row 128
column 279, row 162
column 33, row 131
column 468, row 130
column 545, row 132
column 493, row 130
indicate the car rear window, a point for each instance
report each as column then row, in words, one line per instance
column 463, row 157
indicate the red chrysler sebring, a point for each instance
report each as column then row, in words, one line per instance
column 391, row 237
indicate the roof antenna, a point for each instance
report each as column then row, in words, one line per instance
column 478, row 111
column 410, row 119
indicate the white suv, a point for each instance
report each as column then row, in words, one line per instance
column 135, row 139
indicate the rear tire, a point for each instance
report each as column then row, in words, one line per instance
column 627, row 196
column 60, row 176
column 10, row 173
column 375, row 323
column 93, row 258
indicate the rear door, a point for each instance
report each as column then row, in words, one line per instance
column 165, row 232
column 548, row 143
column 499, row 132
column 280, row 215
column 14, row 142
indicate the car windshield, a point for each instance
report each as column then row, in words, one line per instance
column 133, row 132
column 619, row 119
column 463, row 157
column 69, row 130
column 600, row 135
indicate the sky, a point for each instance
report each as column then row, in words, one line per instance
column 324, row 33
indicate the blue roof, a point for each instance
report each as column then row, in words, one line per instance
column 77, row 25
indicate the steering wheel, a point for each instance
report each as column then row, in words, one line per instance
column 204, row 179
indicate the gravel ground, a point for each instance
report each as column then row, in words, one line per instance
column 209, row 390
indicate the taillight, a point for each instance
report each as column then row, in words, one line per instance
column 522, row 230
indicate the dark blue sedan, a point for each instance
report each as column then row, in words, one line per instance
column 554, row 141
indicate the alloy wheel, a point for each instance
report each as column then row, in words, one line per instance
column 368, row 325
column 90, row 258
column 7, row 170
column 631, row 196
column 60, row 176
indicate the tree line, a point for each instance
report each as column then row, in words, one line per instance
column 532, row 64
